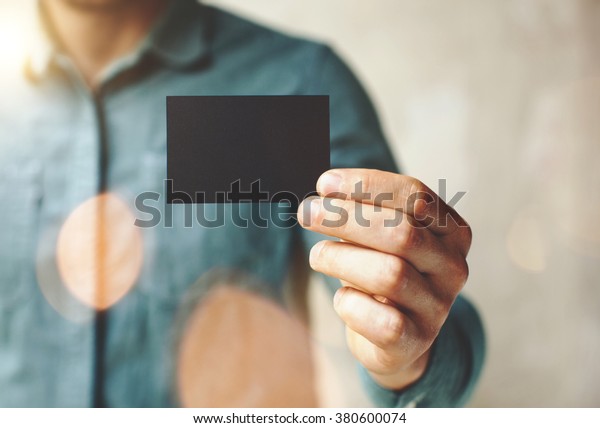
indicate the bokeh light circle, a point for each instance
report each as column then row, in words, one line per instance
column 99, row 251
column 239, row 349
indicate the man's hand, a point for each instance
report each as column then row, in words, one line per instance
column 401, row 260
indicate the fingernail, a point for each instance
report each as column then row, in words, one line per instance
column 419, row 209
column 314, row 253
column 315, row 207
column 329, row 182
column 336, row 298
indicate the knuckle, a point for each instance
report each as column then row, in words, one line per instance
column 463, row 236
column 406, row 236
column 414, row 186
column 394, row 272
column 392, row 330
column 417, row 190
column 460, row 274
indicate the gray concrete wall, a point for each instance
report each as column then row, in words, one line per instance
column 501, row 98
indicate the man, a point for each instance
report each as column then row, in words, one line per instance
column 87, row 116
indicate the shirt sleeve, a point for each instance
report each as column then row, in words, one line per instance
column 357, row 141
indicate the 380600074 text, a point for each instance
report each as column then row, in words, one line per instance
column 386, row 418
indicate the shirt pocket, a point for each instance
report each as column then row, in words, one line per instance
column 20, row 196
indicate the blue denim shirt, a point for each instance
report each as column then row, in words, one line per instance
column 51, row 132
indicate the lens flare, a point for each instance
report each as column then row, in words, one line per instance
column 51, row 284
column 99, row 251
column 241, row 350
column 15, row 34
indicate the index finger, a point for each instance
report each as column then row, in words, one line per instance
column 390, row 190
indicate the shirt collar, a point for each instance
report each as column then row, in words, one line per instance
column 179, row 39
column 41, row 48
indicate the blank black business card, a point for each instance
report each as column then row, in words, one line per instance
column 245, row 148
